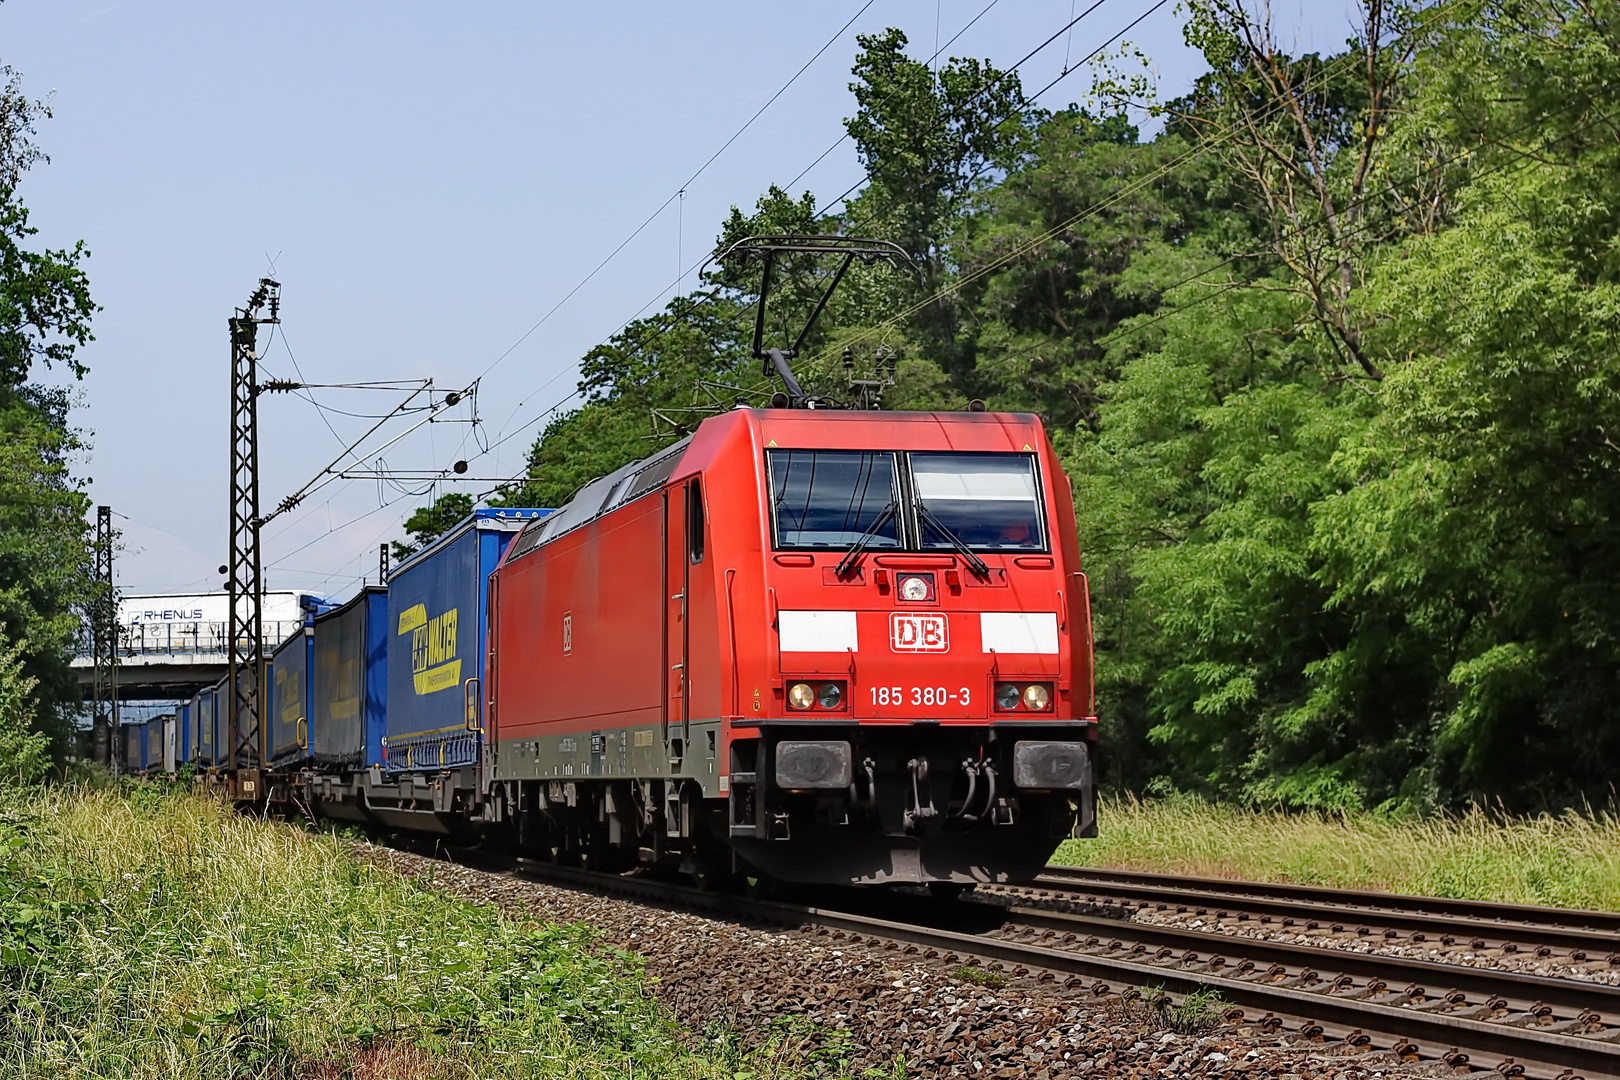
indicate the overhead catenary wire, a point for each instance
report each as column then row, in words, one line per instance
column 1025, row 248
column 1191, row 153
column 676, row 194
column 333, row 529
column 845, row 137
column 1008, row 71
column 329, row 472
column 305, row 394
column 1204, row 147
column 320, row 482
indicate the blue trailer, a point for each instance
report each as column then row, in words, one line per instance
column 143, row 746
column 182, row 732
column 159, row 730
column 437, row 623
column 350, row 664
column 291, row 701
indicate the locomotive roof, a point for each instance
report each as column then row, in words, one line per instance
column 607, row 493
column 601, row 495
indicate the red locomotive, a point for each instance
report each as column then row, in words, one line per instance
column 824, row 646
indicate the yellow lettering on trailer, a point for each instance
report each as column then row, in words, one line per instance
column 434, row 665
column 412, row 617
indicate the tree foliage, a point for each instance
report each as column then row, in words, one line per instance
column 24, row 752
column 45, row 586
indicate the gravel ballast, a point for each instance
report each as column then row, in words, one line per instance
column 880, row 1006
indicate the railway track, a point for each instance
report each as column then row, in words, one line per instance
column 1343, row 912
column 1483, row 1018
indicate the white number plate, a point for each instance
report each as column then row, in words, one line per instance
column 921, row 695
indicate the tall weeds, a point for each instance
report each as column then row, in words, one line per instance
column 157, row 934
column 1569, row 860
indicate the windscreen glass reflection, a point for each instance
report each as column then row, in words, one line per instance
column 831, row 498
column 988, row 501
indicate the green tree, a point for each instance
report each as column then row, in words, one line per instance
column 1220, row 416
column 1353, row 517
column 1483, row 505
column 931, row 141
column 24, row 752
column 45, row 312
column 648, row 385
column 1042, row 308
column 926, row 138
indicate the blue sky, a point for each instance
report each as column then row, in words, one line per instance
column 429, row 181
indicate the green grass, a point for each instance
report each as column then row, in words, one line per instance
column 157, row 934
column 1570, row 860
column 1198, row 1013
column 989, row 977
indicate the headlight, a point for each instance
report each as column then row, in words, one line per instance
column 916, row 588
column 1037, row 697
column 800, row 696
column 1006, row 697
column 831, row 696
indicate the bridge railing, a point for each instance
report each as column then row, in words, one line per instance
column 183, row 640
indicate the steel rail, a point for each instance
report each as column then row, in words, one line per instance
column 1481, row 910
column 1541, row 1053
column 1563, row 931
column 1518, row 991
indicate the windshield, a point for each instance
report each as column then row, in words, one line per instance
column 830, row 498
column 989, row 501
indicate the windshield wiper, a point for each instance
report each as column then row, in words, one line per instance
column 976, row 564
column 847, row 563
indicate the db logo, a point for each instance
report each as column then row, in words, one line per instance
column 918, row 633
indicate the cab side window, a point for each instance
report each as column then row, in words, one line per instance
column 694, row 520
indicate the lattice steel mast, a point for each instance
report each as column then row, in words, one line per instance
column 245, row 580
column 104, row 647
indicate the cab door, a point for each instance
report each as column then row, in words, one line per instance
column 676, row 580
column 683, row 547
